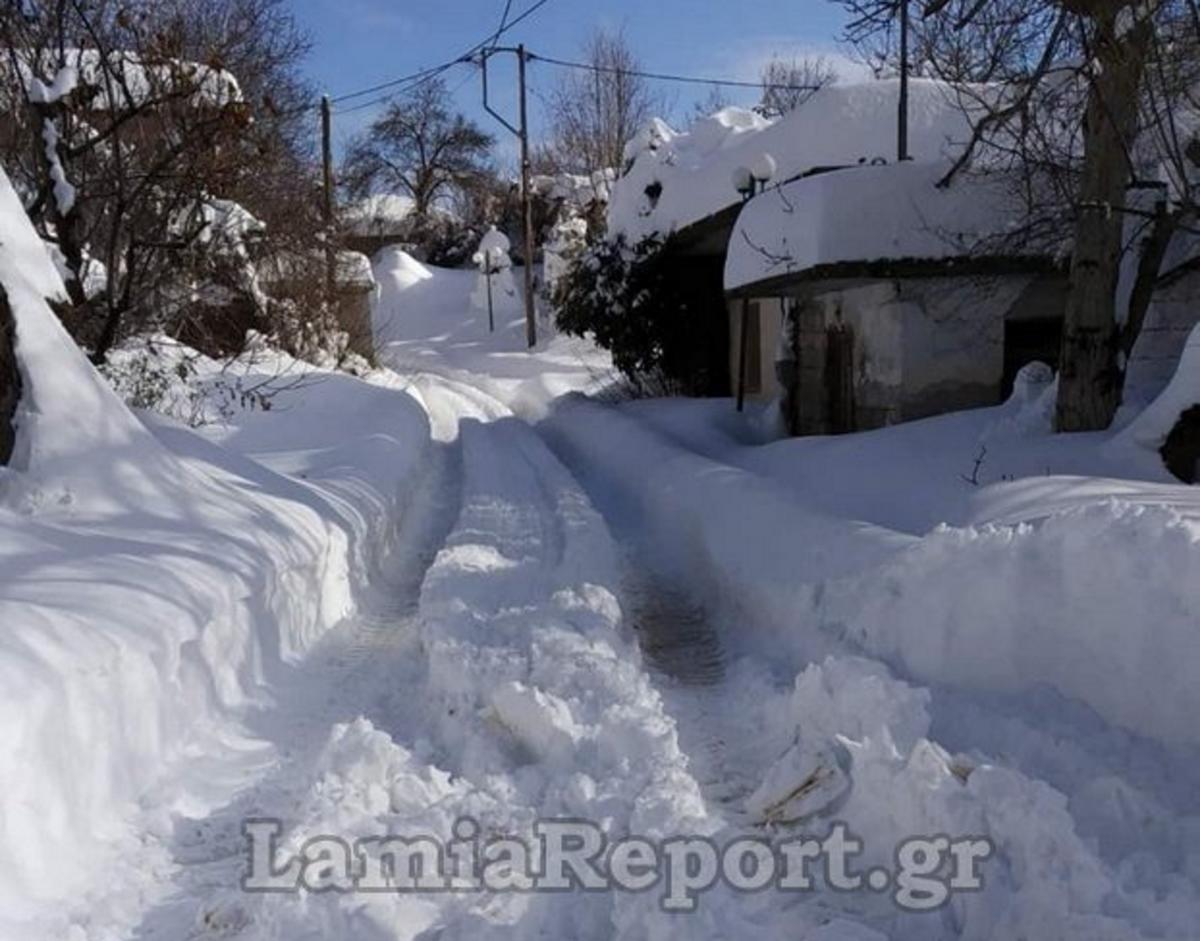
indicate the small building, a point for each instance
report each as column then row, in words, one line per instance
column 377, row 222
column 865, row 292
column 894, row 298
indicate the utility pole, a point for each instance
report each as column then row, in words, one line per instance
column 526, row 205
column 327, row 208
column 522, row 133
column 902, row 115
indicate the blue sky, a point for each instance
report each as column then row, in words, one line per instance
column 358, row 43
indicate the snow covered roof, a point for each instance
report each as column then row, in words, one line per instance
column 575, row 189
column 142, row 80
column 675, row 179
column 380, row 216
column 865, row 214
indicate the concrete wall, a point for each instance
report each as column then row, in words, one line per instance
column 1173, row 312
column 873, row 353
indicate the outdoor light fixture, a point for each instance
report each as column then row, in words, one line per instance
column 754, row 178
column 763, row 169
column 743, row 182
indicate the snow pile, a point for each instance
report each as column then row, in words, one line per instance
column 425, row 320
column 1150, row 429
column 1098, row 602
column 153, row 580
column 819, row 220
column 1057, row 654
column 674, row 179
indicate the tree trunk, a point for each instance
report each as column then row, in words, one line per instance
column 10, row 378
column 1089, row 388
column 1153, row 250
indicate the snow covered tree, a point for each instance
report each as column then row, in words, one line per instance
column 127, row 122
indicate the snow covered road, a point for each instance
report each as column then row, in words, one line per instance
column 515, row 605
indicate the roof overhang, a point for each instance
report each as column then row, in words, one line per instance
column 835, row 275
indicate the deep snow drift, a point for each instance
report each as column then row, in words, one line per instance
column 449, row 590
column 153, row 581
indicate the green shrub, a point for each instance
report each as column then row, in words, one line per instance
column 633, row 305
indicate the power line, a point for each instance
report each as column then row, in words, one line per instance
column 424, row 74
column 666, row 77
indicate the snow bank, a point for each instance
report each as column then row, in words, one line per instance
column 1150, row 428
column 1097, row 598
column 1091, row 603
column 839, row 125
column 819, row 220
column 1099, row 602
column 151, row 581
column 739, row 529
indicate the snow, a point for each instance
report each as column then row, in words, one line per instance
column 153, row 580
column 425, row 322
column 1150, row 429
column 495, row 288
column 462, row 586
column 142, row 81
column 818, row 220
column 383, row 214
column 944, row 669
column 840, row 125
column 64, row 82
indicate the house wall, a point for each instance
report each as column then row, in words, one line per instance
column 873, row 353
column 1174, row 311
column 763, row 383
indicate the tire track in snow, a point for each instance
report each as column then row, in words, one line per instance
column 362, row 667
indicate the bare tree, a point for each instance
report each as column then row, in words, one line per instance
column 594, row 112
column 419, row 147
column 129, row 122
column 787, row 84
column 1088, row 107
column 714, row 101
